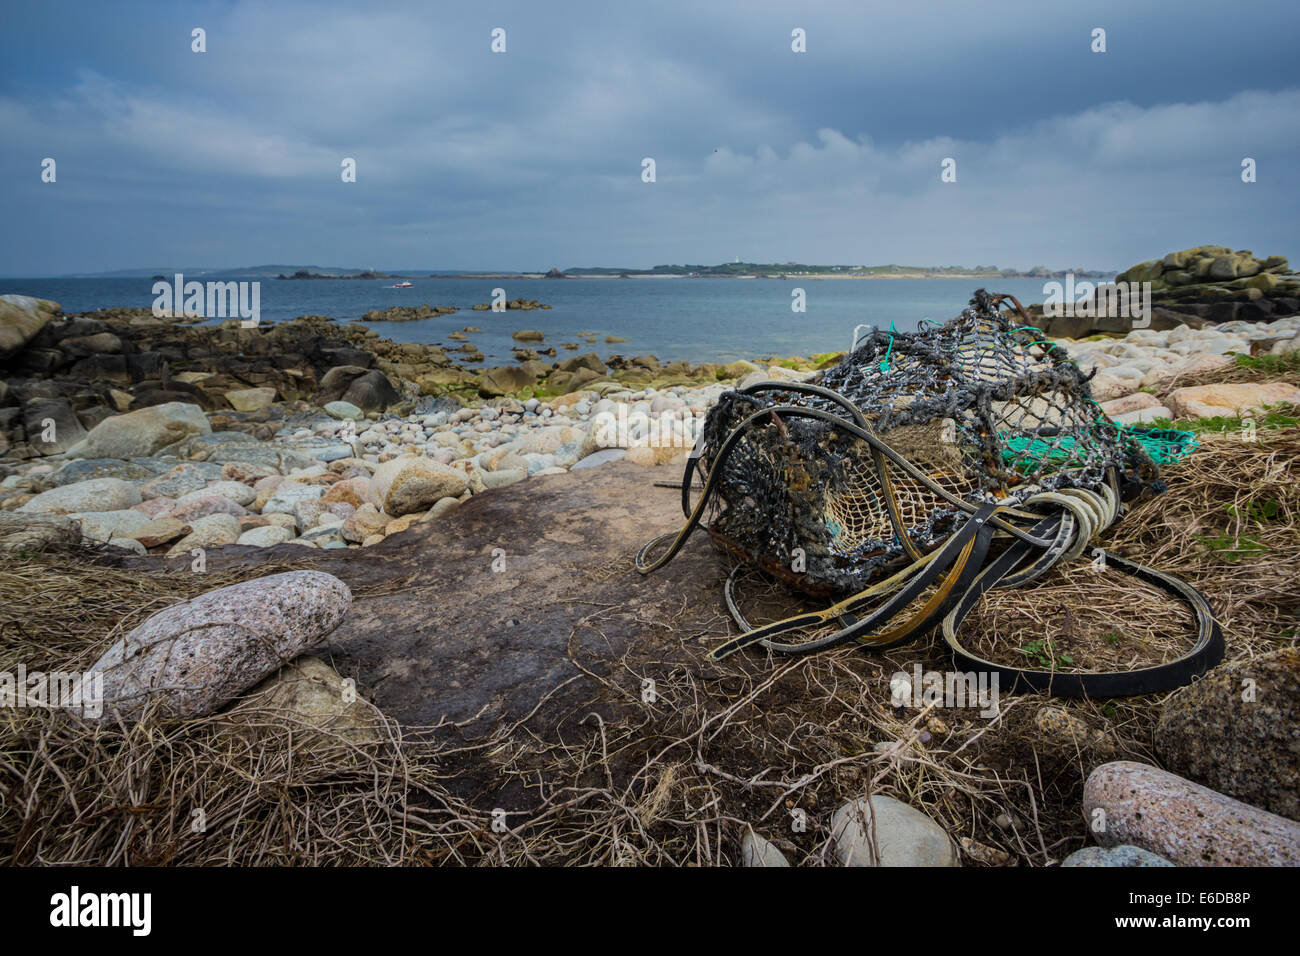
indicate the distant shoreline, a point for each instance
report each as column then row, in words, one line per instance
column 651, row 275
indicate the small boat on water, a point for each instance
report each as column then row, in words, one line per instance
column 401, row 285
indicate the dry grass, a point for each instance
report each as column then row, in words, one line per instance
column 671, row 780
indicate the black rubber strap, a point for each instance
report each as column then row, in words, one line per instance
column 963, row 552
column 1207, row 651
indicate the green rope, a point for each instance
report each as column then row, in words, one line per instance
column 1163, row 445
column 884, row 363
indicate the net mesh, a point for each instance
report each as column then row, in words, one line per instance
column 982, row 406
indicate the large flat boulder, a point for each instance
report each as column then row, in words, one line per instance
column 438, row 634
column 21, row 317
column 143, row 433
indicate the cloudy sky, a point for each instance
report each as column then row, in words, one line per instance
column 469, row 159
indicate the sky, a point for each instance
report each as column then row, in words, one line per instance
column 530, row 158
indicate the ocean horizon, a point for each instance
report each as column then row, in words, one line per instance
column 699, row 320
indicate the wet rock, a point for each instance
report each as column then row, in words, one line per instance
column 195, row 657
column 1237, row 730
column 144, row 432
column 1182, row 821
column 903, row 836
column 98, row 494
column 1114, row 856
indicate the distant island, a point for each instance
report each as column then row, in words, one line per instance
column 364, row 274
column 726, row 270
column 773, row 270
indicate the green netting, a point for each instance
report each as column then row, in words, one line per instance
column 1164, row 445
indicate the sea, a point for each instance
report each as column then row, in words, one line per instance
column 672, row 318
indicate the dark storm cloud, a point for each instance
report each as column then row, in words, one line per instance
column 468, row 159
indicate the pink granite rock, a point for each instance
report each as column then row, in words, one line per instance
column 201, row 507
column 1189, row 825
column 197, row 656
column 156, row 507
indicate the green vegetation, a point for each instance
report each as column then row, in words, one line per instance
column 1276, row 418
column 1270, row 364
column 1043, row 655
column 1260, row 512
column 1232, row 548
column 821, row 358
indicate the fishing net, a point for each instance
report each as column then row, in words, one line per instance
column 906, row 467
column 986, row 410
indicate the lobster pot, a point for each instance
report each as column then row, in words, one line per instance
column 976, row 410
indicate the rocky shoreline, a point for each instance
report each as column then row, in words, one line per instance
column 158, row 436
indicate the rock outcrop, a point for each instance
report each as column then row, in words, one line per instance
column 1237, row 729
column 21, row 317
column 1198, row 286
